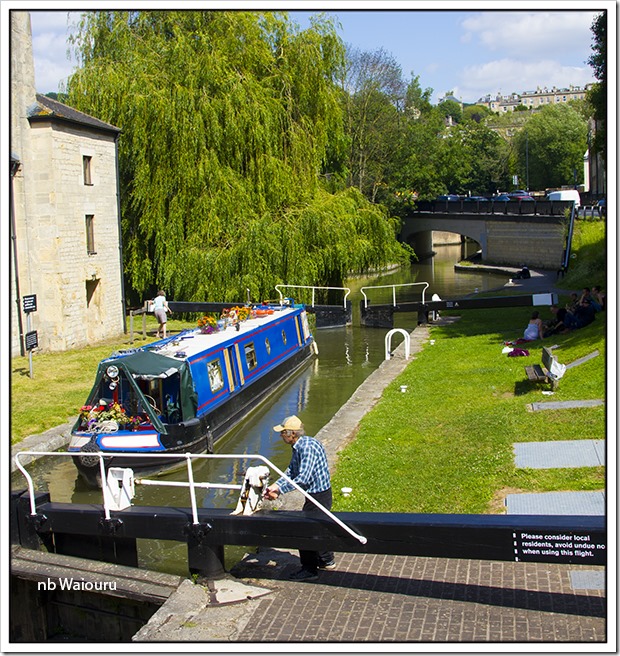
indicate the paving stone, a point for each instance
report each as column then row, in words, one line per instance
column 443, row 601
column 559, row 454
column 587, row 580
column 556, row 503
column 565, row 405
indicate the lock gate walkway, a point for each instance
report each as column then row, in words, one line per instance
column 390, row 599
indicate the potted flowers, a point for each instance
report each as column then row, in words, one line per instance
column 207, row 324
column 94, row 417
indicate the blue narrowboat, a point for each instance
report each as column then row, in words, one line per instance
column 182, row 393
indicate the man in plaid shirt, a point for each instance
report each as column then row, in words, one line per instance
column 308, row 469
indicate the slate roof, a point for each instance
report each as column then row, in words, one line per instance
column 45, row 109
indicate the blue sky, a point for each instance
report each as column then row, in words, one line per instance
column 472, row 52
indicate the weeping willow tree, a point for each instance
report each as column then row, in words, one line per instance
column 227, row 119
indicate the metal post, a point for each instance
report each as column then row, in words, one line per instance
column 28, row 329
column 27, row 522
column 205, row 560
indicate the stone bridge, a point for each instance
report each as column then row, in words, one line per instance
column 512, row 233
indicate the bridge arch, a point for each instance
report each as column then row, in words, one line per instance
column 418, row 232
column 537, row 240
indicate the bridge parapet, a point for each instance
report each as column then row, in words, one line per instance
column 510, row 207
column 538, row 240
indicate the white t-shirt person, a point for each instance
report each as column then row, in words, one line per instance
column 160, row 308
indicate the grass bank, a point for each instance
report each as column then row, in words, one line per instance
column 446, row 445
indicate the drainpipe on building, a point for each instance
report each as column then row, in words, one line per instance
column 15, row 164
column 120, row 234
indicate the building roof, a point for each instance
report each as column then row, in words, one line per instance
column 46, row 109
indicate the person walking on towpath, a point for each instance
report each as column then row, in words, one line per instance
column 308, row 469
column 160, row 307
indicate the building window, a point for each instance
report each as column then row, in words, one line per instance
column 90, row 234
column 86, row 165
column 91, row 288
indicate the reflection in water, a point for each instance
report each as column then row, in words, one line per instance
column 346, row 357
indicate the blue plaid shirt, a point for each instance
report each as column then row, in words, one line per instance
column 308, row 467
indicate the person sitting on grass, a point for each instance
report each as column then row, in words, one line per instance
column 571, row 306
column 562, row 322
column 534, row 329
column 584, row 314
column 600, row 297
column 588, row 298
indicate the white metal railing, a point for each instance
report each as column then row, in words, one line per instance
column 388, row 342
column 313, row 288
column 405, row 284
column 191, row 484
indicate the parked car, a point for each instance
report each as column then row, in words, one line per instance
column 519, row 192
column 501, row 197
column 519, row 196
column 475, row 198
column 448, row 197
column 565, row 194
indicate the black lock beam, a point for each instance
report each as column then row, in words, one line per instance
column 555, row 539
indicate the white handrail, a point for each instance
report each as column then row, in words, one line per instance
column 405, row 284
column 388, row 342
column 191, row 485
column 312, row 287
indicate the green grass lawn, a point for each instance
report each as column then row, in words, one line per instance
column 445, row 446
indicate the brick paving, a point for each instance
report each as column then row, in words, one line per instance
column 376, row 598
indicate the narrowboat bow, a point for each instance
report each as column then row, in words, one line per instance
column 182, row 393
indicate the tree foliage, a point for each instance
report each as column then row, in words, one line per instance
column 597, row 96
column 228, row 121
column 555, row 138
column 373, row 93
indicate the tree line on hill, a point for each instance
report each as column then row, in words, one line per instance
column 255, row 153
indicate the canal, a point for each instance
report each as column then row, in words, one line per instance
column 346, row 357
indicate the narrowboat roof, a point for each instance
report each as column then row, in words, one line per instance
column 189, row 343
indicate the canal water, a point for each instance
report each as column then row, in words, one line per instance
column 346, row 357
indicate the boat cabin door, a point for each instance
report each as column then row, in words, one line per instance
column 233, row 368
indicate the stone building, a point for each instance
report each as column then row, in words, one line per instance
column 65, row 217
column 533, row 99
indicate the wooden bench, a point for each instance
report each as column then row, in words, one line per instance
column 543, row 373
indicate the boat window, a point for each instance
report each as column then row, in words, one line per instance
column 284, row 338
column 216, row 380
column 250, row 355
column 267, row 345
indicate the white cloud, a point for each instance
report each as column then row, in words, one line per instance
column 49, row 48
column 530, row 35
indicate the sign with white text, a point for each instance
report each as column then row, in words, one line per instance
column 30, row 303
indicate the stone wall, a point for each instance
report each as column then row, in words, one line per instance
column 533, row 244
column 79, row 294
